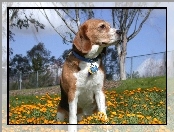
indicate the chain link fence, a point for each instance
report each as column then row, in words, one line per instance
column 34, row 79
column 149, row 65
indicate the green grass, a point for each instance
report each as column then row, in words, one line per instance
column 144, row 83
column 18, row 100
column 138, row 106
column 135, row 101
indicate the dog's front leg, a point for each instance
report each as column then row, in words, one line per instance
column 73, row 109
column 100, row 100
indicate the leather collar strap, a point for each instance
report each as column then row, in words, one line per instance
column 85, row 59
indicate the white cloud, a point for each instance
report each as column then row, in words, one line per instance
column 37, row 15
column 55, row 20
column 151, row 67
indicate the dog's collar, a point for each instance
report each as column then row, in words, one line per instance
column 89, row 60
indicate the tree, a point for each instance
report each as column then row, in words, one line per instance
column 39, row 57
column 134, row 74
column 126, row 19
column 19, row 63
column 72, row 19
column 65, row 54
column 111, row 64
column 16, row 20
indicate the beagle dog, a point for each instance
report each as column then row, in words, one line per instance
column 82, row 79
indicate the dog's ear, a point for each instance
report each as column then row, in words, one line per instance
column 81, row 40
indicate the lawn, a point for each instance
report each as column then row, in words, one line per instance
column 135, row 101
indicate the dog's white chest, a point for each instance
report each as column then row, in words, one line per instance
column 88, row 82
column 87, row 85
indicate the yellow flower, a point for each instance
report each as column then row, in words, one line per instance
column 120, row 116
column 147, row 99
column 131, row 92
column 134, row 105
column 49, row 102
column 124, row 122
column 139, row 89
column 114, row 113
column 144, row 105
column 109, row 103
column 28, row 112
column 43, row 109
column 90, row 118
column 140, row 116
column 156, row 121
column 50, row 105
column 161, row 102
column 45, row 121
column 125, row 104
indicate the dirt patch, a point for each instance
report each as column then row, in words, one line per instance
column 37, row 91
column 112, row 84
column 55, row 89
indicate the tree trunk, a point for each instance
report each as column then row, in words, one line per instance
column 122, row 68
column 123, row 57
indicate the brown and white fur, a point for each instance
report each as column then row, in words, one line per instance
column 83, row 94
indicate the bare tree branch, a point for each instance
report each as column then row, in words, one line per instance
column 65, row 11
column 113, row 16
column 90, row 14
column 136, row 21
column 74, row 32
column 131, row 18
column 121, row 20
column 126, row 18
column 140, row 26
column 14, row 14
column 64, row 38
column 125, row 13
column 77, row 18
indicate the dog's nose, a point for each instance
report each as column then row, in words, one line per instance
column 119, row 32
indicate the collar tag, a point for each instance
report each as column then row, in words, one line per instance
column 92, row 69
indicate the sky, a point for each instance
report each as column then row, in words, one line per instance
column 151, row 39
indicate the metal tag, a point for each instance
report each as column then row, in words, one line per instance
column 93, row 69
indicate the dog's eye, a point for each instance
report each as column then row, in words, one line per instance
column 102, row 26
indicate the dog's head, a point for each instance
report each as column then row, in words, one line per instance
column 95, row 32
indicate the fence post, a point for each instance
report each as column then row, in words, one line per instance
column 131, row 67
column 37, row 79
column 57, row 76
column 20, row 79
